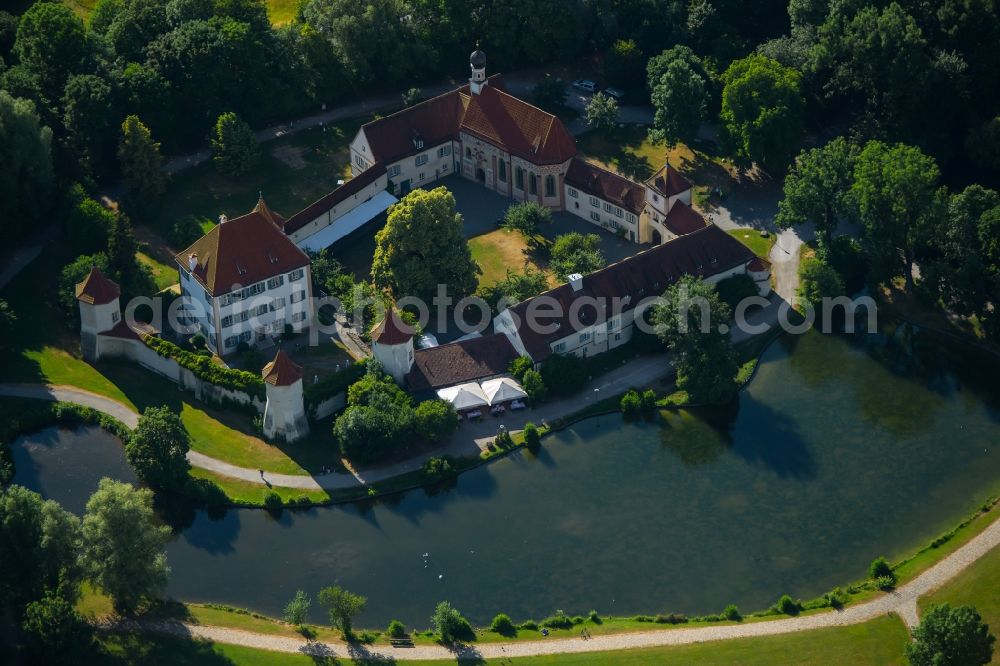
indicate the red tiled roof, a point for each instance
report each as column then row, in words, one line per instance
column 328, row 201
column 606, row 185
column 97, row 289
column 392, row 330
column 668, row 181
column 122, row 330
column 242, row 251
column 518, row 127
column 759, row 265
column 682, row 219
column 703, row 253
column 282, row 371
column 265, row 210
column 493, row 115
column 460, row 362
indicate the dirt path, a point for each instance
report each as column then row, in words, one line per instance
column 901, row 602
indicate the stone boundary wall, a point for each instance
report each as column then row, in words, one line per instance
column 330, row 406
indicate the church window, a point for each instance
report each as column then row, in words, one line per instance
column 550, row 185
column 519, row 178
column 533, row 183
column 502, row 170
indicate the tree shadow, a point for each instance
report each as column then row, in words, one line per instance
column 771, row 440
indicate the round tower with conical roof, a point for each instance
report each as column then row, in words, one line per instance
column 100, row 311
column 285, row 411
column 392, row 345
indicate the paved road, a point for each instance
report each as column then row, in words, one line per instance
column 902, row 602
column 58, row 393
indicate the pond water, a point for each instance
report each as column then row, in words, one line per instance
column 839, row 451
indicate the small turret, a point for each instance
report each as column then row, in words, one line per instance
column 392, row 345
column 477, row 62
column 285, row 411
column 100, row 310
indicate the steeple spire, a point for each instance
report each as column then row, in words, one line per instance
column 477, row 62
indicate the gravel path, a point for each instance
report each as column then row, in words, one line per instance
column 901, row 601
column 59, row 393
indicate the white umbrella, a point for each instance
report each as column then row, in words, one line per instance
column 464, row 396
column 503, row 389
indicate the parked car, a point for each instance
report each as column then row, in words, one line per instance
column 585, row 84
column 617, row 93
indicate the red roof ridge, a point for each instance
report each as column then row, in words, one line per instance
column 392, row 330
column 333, row 197
column 282, row 371
column 96, row 289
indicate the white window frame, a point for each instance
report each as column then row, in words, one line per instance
column 595, row 202
column 296, row 275
column 420, row 160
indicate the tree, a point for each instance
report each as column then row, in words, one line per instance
column 26, row 175
column 688, row 319
column 515, row 288
column 817, row 189
column 297, row 610
column 396, row 629
column 38, row 545
column 950, row 636
column 434, row 420
column 502, row 625
column 422, row 246
column 157, row 449
column 549, row 93
column 818, row 280
column 54, row 633
column 526, row 217
column 678, row 91
column 899, row 204
column 74, row 273
column 413, row 96
column 576, row 253
column 534, row 386
column 449, row 623
column 123, row 546
column 880, row 568
column 51, row 44
column 123, row 266
column 234, row 145
column 762, row 110
column 623, row 64
column 140, row 161
column 983, row 144
column 88, row 223
column 343, row 607
column 88, row 115
column 602, row 112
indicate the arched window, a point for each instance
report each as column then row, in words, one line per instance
column 533, row 183
column 550, row 185
column 502, row 171
column 519, row 178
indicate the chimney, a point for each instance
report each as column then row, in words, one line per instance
column 575, row 281
column 223, row 219
column 192, row 262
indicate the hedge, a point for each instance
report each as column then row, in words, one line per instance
column 332, row 385
column 206, row 369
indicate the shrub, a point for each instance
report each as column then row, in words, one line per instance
column 503, row 440
column 672, row 618
column 885, row 582
column 528, row 625
column 631, row 404
column 204, row 368
column 434, row 420
column 563, row 374
column 526, row 217
column 735, row 289
column 558, row 621
column 836, row 598
column 333, row 384
column 534, row 386
column 880, row 568
column 818, row 280
column 396, row 629
column 594, row 617
column 532, row 438
column 439, row 468
column 450, row 625
column 732, row 613
column 648, row 401
column 502, row 625
column 519, row 366
column 272, row 501
column 787, row 605
column 367, row 637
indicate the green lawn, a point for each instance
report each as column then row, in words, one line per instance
column 292, row 173
column 279, row 11
column 759, row 245
column 499, row 250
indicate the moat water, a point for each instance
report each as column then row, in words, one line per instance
column 840, row 450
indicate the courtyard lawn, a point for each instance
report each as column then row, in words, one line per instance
column 292, row 173
column 499, row 250
column 629, row 151
column 760, row 245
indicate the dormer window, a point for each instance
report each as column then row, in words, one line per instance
column 240, row 269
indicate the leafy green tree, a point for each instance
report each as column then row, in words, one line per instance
column 762, row 110
column 140, row 160
column 396, row 629
column 297, row 610
column 519, row 366
column 51, row 44
column 422, row 246
column 550, row 93
column 576, row 253
column 87, row 223
column 880, row 568
column 689, row 320
column 132, row 25
column 679, row 93
column 526, row 217
column 502, row 625
column 413, row 96
column 434, row 420
column 26, row 174
column 602, row 112
column 158, row 448
column 234, row 145
column 449, row 623
column 532, row 438
column 54, row 633
column 950, row 636
column 123, row 266
column 899, row 204
column 515, row 288
column 123, row 546
column 74, row 273
column 623, row 64
column 89, row 117
column 343, row 607
column 38, row 545
column 818, row 280
column 534, row 386
column 817, row 189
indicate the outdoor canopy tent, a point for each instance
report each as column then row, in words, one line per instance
column 503, row 389
column 464, row 396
